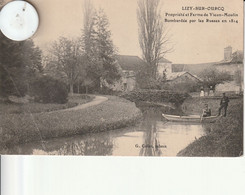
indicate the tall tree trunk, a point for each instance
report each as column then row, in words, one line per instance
column 71, row 88
column 86, row 89
column 78, row 88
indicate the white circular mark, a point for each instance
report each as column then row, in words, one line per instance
column 18, row 20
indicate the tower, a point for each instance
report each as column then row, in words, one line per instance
column 228, row 53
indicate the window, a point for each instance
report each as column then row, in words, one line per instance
column 125, row 86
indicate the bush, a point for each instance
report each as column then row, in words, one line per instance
column 156, row 96
column 107, row 91
column 186, row 87
column 150, row 83
column 46, row 89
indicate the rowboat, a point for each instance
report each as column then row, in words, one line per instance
column 191, row 118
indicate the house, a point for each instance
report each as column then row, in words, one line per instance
column 165, row 68
column 233, row 64
column 183, row 77
column 129, row 66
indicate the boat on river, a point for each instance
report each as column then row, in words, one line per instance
column 191, row 118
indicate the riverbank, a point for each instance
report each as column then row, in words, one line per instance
column 195, row 105
column 224, row 137
column 112, row 114
column 34, row 107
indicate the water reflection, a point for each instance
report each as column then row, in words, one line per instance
column 88, row 145
column 151, row 145
column 152, row 137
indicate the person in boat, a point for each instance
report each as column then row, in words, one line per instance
column 224, row 104
column 206, row 111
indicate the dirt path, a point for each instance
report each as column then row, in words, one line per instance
column 97, row 100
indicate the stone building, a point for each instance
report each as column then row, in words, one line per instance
column 129, row 66
column 164, row 67
column 233, row 64
column 183, row 77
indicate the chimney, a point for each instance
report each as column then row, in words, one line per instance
column 228, row 53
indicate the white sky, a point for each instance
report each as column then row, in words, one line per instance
column 193, row 43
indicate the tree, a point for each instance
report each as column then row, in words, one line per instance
column 153, row 35
column 20, row 62
column 239, row 78
column 94, row 68
column 144, row 81
column 33, row 57
column 65, row 60
column 98, row 46
column 47, row 89
column 105, row 49
column 212, row 77
column 88, row 26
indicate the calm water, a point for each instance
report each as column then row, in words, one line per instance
column 152, row 137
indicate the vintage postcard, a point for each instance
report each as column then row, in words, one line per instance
column 125, row 78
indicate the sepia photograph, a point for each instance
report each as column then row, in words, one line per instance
column 124, row 78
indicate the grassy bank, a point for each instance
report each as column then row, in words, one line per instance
column 196, row 105
column 112, row 114
column 34, row 107
column 224, row 137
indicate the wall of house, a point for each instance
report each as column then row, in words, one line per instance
column 164, row 67
column 236, row 70
column 126, row 83
column 231, row 68
column 228, row 87
column 185, row 83
column 130, row 84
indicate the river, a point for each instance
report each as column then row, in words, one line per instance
column 153, row 136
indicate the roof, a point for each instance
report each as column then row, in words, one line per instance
column 194, row 69
column 130, row 62
column 164, row 60
column 175, row 75
column 237, row 57
column 178, row 67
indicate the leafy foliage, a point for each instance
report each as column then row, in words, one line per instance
column 49, row 90
column 106, row 51
column 65, row 61
column 212, row 77
column 185, row 87
column 146, row 81
column 85, row 61
column 20, row 62
column 156, row 96
column 99, row 49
